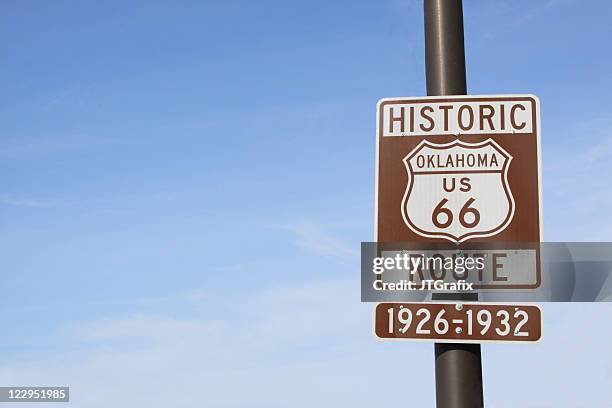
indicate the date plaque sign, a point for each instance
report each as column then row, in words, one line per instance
column 458, row 322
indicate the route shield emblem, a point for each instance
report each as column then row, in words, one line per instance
column 457, row 190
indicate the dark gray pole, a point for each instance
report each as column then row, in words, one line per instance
column 458, row 366
column 444, row 49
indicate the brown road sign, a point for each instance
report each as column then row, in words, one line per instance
column 458, row 169
column 458, row 322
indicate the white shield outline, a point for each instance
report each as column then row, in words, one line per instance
column 469, row 235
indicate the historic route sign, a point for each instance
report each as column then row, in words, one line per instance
column 458, row 169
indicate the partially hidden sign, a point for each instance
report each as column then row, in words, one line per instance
column 458, row 169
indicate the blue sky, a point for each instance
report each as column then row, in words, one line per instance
column 184, row 187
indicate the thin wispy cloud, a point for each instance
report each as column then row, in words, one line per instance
column 20, row 147
column 120, row 202
column 313, row 237
column 28, row 202
column 576, row 174
column 144, row 327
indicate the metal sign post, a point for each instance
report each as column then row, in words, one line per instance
column 458, row 366
column 454, row 171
